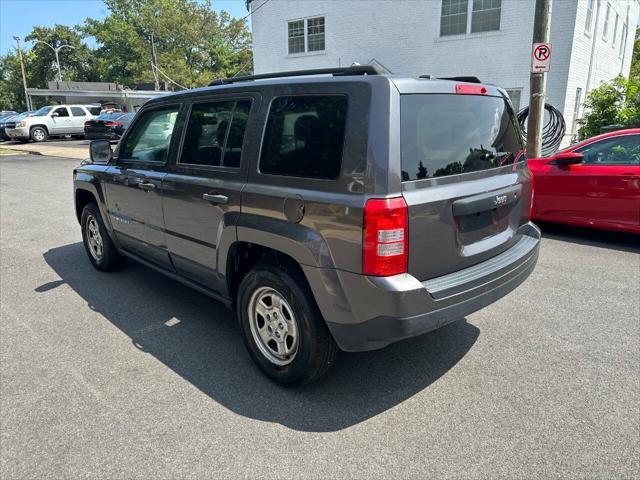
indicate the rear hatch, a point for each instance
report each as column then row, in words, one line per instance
column 464, row 179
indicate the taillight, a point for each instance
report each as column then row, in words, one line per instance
column 86, row 124
column 463, row 89
column 385, row 237
column 112, row 124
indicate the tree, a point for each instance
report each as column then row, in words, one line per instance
column 194, row 43
column 612, row 103
column 76, row 63
column 11, row 92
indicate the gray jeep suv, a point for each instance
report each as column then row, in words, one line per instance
column 332, row 209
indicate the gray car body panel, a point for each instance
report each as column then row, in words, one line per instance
column 319, row 223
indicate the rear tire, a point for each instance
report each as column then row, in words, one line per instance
column 308, row 348
column 39, row 134
column 101, row 251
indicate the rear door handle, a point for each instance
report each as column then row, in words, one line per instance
column 146, row 186
column 215, row 198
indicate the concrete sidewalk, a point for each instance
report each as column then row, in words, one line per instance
column 49, row 150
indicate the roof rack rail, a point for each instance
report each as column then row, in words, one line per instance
column 353, row 70
column 463, row 79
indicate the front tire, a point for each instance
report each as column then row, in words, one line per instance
column 39, row 134
column 101, row 251
column 283, row 329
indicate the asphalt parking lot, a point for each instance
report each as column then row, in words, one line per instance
column 132, row 375
column 55, row 142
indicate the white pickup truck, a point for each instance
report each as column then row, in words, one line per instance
column 52, row 121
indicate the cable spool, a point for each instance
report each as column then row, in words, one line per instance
column 552, row 132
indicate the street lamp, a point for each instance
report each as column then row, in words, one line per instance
column 56, row 50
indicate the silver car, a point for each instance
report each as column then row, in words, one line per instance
column 53, row 120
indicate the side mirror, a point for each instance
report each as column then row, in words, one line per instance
column 100, row 152
column 564, row 159
column 55, row 114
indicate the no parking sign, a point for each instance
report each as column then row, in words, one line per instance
column 540, row 57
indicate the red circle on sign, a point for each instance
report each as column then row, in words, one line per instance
column 542, row 52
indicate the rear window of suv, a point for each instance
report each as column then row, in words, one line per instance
column 445, row 135
column 304, row 136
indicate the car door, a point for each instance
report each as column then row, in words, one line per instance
column 60, row 121
column 202, row 190
column 609, row 177
column 134, row 183
column 602, row 190
column 78, row 117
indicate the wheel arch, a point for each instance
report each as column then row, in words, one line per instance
column 41, row 125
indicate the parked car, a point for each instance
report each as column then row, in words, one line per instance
column 108, row 125
column 53, row 121
column 345, row 211
column 5, row 115
column 10, row 122
column 594, row 183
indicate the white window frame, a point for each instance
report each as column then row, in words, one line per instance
column 615, row 31
column 605, row 27
column 623, row 40
column 305, row 21
column 588, row 26
column 576, row 110
column 519, row 90
column 469, row 21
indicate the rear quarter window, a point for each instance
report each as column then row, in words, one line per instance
column 445, row 135
column 304, row 136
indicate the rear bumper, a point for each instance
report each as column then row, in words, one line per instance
column 384, row 310
column 89, row 135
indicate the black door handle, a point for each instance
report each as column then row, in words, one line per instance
column 215, row 198
column 146, row 186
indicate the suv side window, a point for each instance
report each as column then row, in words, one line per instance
column 78, row 112
column 215, row 133
column 623, row 150
column 150, row 136
column 304, row 136
column 95, row 110
column 61, row 111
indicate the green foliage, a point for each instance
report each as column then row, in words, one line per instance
column 194, row 45
column 613, row 103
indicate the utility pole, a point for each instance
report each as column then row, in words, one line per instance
column 541, row 24
column 24, row 77
column 154, row 62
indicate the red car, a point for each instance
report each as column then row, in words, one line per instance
column 594, row 183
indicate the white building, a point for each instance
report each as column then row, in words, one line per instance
column 592, row 41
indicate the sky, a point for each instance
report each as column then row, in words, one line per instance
column 18, row 17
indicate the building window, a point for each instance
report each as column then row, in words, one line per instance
column 589, row 22
column 296, row 37
column 623, row 40
column 605, row 29
column 615, row 31
column 486, row 15
column 576, row 110
column 469, row 16
column 315, row 34
column 515, row 95
column 453, row 18
column 306, row 35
